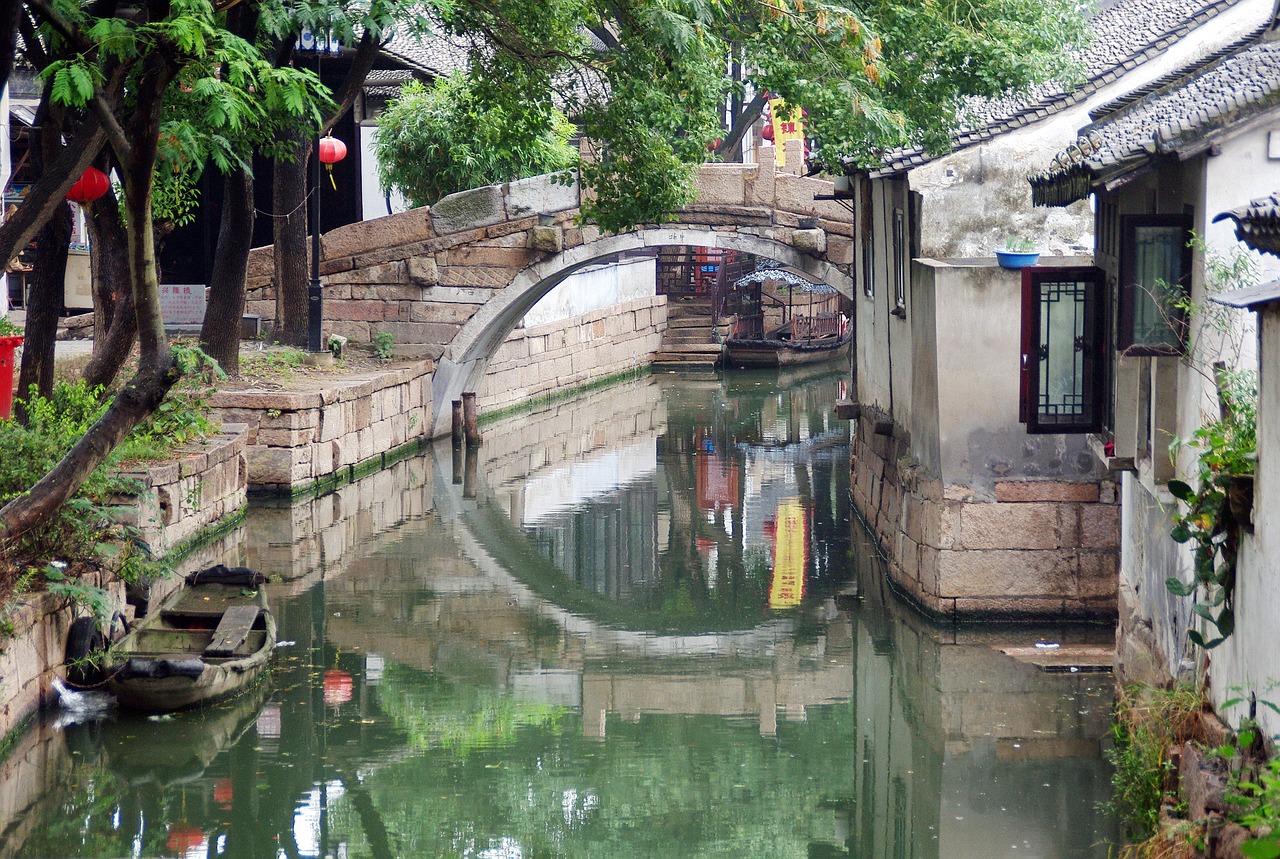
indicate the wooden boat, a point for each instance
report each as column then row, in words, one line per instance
column 779, row 348
column 208, row 641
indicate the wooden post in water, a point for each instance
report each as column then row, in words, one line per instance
column 456, row 428
column 470, row 418
column 457, row 462
column 470, row 472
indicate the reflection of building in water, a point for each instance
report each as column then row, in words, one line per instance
column 962, row 751
column 596, row 519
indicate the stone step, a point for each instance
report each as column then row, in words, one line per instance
column 689, row 349
column 689, row 322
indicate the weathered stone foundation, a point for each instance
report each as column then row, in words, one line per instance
column 1032, row 550
column 538, row 361
column 299, row 441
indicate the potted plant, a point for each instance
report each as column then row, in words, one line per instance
column 1018, row 253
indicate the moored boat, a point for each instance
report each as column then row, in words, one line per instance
column 779, row 349
column 210, row 640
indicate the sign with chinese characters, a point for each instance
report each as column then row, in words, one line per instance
column 182, row 303
column 788, row 124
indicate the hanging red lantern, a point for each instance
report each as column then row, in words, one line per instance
column 332, row 150
column 767, row 131
column 91, row 185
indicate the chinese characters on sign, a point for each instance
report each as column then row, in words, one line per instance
column 788, row 124
column 182, row 303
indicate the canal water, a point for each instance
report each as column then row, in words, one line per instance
column 635, row 624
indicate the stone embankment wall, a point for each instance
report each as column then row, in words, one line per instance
column 301, row 440
column 202, row 485
column 1031, row 549
column 176, row 501
column 559, row 356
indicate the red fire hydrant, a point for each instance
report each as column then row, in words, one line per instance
column 7, row 347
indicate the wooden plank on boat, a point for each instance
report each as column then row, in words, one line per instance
column 232, row 630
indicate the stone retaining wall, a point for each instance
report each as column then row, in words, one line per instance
column 1036, row 550
column 308, row 439
column 203, row 484
column 37, row 647
column 558, row 356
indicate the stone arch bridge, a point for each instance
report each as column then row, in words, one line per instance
column 455, row 279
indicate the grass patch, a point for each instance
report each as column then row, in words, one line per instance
column 1148, row 724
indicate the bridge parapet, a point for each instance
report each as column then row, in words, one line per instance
column 451, row 281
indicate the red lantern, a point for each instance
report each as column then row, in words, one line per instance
column 767, row 131
column 92, row 185
column 332, row 150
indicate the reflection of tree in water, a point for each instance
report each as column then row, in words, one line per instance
column 522, row 777
column 459, row 717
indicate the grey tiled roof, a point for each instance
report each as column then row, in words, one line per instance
column 1258, row 223
column 1125, row 34
column 1169, row 116
column 436, row 54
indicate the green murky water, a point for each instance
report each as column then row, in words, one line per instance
column 635, row 624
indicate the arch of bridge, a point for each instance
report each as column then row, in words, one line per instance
column 459, row 276
column 462, row 364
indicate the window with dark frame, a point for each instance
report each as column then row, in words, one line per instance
column 1155, row 272
column 1062, row 348
column 899, row 263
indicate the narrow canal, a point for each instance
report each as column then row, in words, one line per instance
column 638, row 623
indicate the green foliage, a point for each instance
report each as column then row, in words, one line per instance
column 270, row 362
column 384, row 343
column 92, row 597
column 1148, row 722
column 649, row 91
column 1019, row 244
column 7, row 328
column 84, row 527
column 433, row 141
column 1213, row 511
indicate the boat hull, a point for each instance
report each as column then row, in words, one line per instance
column 783, row 353
column 174, row 658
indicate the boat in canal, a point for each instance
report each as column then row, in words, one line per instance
column 209, row 641
column 783, row 348
column 776, row 317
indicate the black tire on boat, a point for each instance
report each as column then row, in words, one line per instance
column 84, row 642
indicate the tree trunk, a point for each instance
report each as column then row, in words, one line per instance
column 290, row 202
column 44, row 305
column 220, row 335
column 157, row 370
column 114, row 324
column 111, row 351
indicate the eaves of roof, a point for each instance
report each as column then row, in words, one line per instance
column 1125, row 35
column 1174, row 117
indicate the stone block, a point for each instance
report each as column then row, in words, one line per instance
column 476, row 276
column 391, row 231
column 809, row 241
column 1099, row 526
column 468, row 210
column 722, row 183
column 1045, row 490
column 422, row 271
column 1010, row 526
column 362, row 311
column 1099, row 574
column 542, row 195
column 374, row 275
column 489, row 257
column 1005, row 573
column 270, row 465
column 547, row 238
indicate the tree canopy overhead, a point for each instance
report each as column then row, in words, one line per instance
column 653, row 83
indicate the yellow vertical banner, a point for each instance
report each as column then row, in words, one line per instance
column 789, row 546
column 788, row 124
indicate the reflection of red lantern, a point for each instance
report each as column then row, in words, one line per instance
column 184, row 836
column 337, row 687
column 223, row 792
column 91, row 185
column 332, row 150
